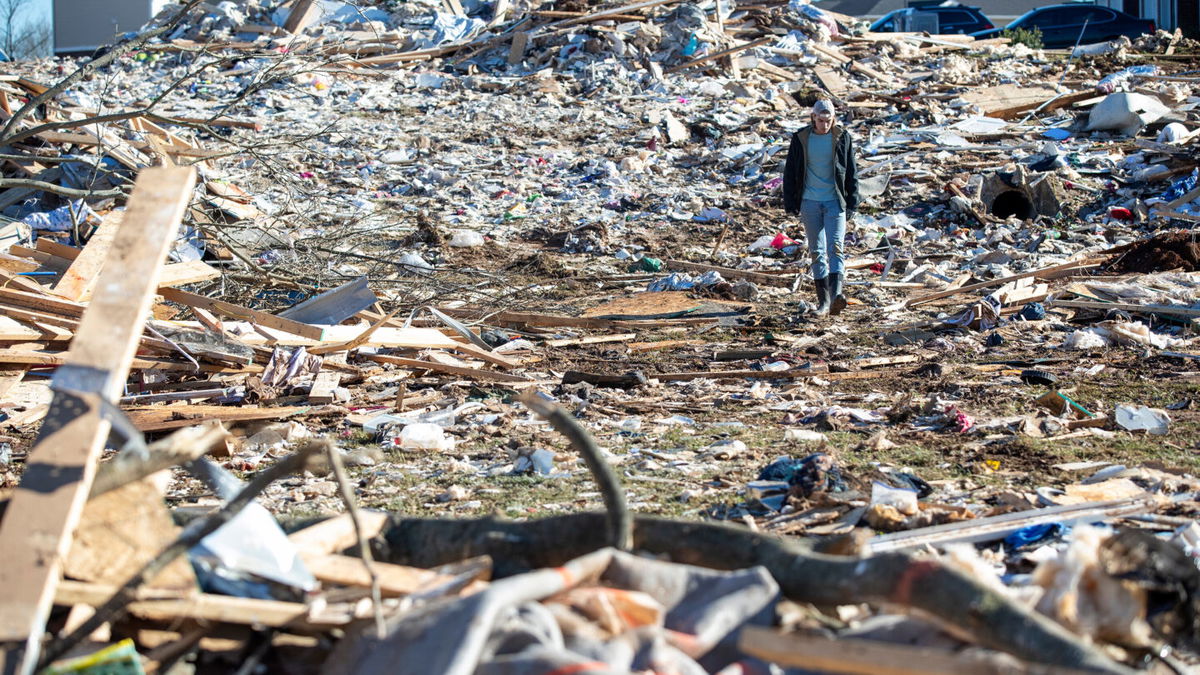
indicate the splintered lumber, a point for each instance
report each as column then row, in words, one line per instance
column 41, row 358
column 80, row 278
column 634, row 347
column 337, row 534
column 591, row 340
column 872, row 657
column 184, row 273
column 473, row 373
column 1040, row 272
column 17, row 264
column 160, row 418
column 516, row 52
column 41, row 303
column 122, row 530
column 485, row 355
column 160, row 605
column 237, row 311
column 322, row 388
column 44, row 510
column 358, row 340
column 999, row 527
column 721, row 54
column 394, row 580
column 1128, row 307
column 302, row 15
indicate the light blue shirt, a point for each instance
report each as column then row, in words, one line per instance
column 818, row 169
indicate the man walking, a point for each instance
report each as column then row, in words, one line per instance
column 820, row 183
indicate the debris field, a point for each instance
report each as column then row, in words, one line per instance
column 472, row 337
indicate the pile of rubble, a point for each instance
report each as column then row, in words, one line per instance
column 387, row 257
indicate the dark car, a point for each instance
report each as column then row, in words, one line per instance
column 936, row 19
column 1068, row 25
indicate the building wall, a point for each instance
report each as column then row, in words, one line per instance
column 84, row 25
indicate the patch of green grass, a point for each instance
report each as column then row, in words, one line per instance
column 1031, row 37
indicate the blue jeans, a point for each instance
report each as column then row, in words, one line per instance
column 825, row 226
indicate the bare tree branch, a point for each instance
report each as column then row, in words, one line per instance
column 112, row 55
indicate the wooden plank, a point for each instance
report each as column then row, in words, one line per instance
column 301, row 16
column 358, row 341
column 44, row 510
column 485, row 355
column 394, row 580
column 323, row 385
column 473, row 373
column 635, row 347
column 1128, row 307
column 237, row 311
column 833, row 82
column 520, row 42
column 721, row 54
column 590, row 340
column 81, row 277
column 122, row 530
column 41, row 302
column 52, row 247
column 162, row 418
column 171, row 606
column 63, row 138
column 1078, row 264
column 10, row 378
column 46, row 260
column 184, row 273
column 336, row 534
column 17, row 264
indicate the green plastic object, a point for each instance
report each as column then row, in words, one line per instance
column 118, row 659
column 647, row 264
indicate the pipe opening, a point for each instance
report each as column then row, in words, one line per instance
column 1013, row 203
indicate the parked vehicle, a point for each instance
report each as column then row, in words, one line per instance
column 1079, row 23
column 935, row 18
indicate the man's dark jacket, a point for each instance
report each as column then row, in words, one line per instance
column 845, row 175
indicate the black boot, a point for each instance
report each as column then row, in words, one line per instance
column 837, row 301
column 823, row 297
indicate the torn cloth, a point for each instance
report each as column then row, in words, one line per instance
column 285, row 368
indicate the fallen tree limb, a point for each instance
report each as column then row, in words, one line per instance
column 42, row 185
column 992, row 619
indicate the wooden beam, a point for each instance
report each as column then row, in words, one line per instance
column 36, row 531
column 721, row 54
column 1078, row 264
column 303, row 14
column 394, row 580
column 184, row 273
column 173, row 606
column 1128, row 307
column 245, row 313
column 80, row 278
column 473, row 373
column 591, row 340
column 42, row 303
column 323, row 385
column 336, row 534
